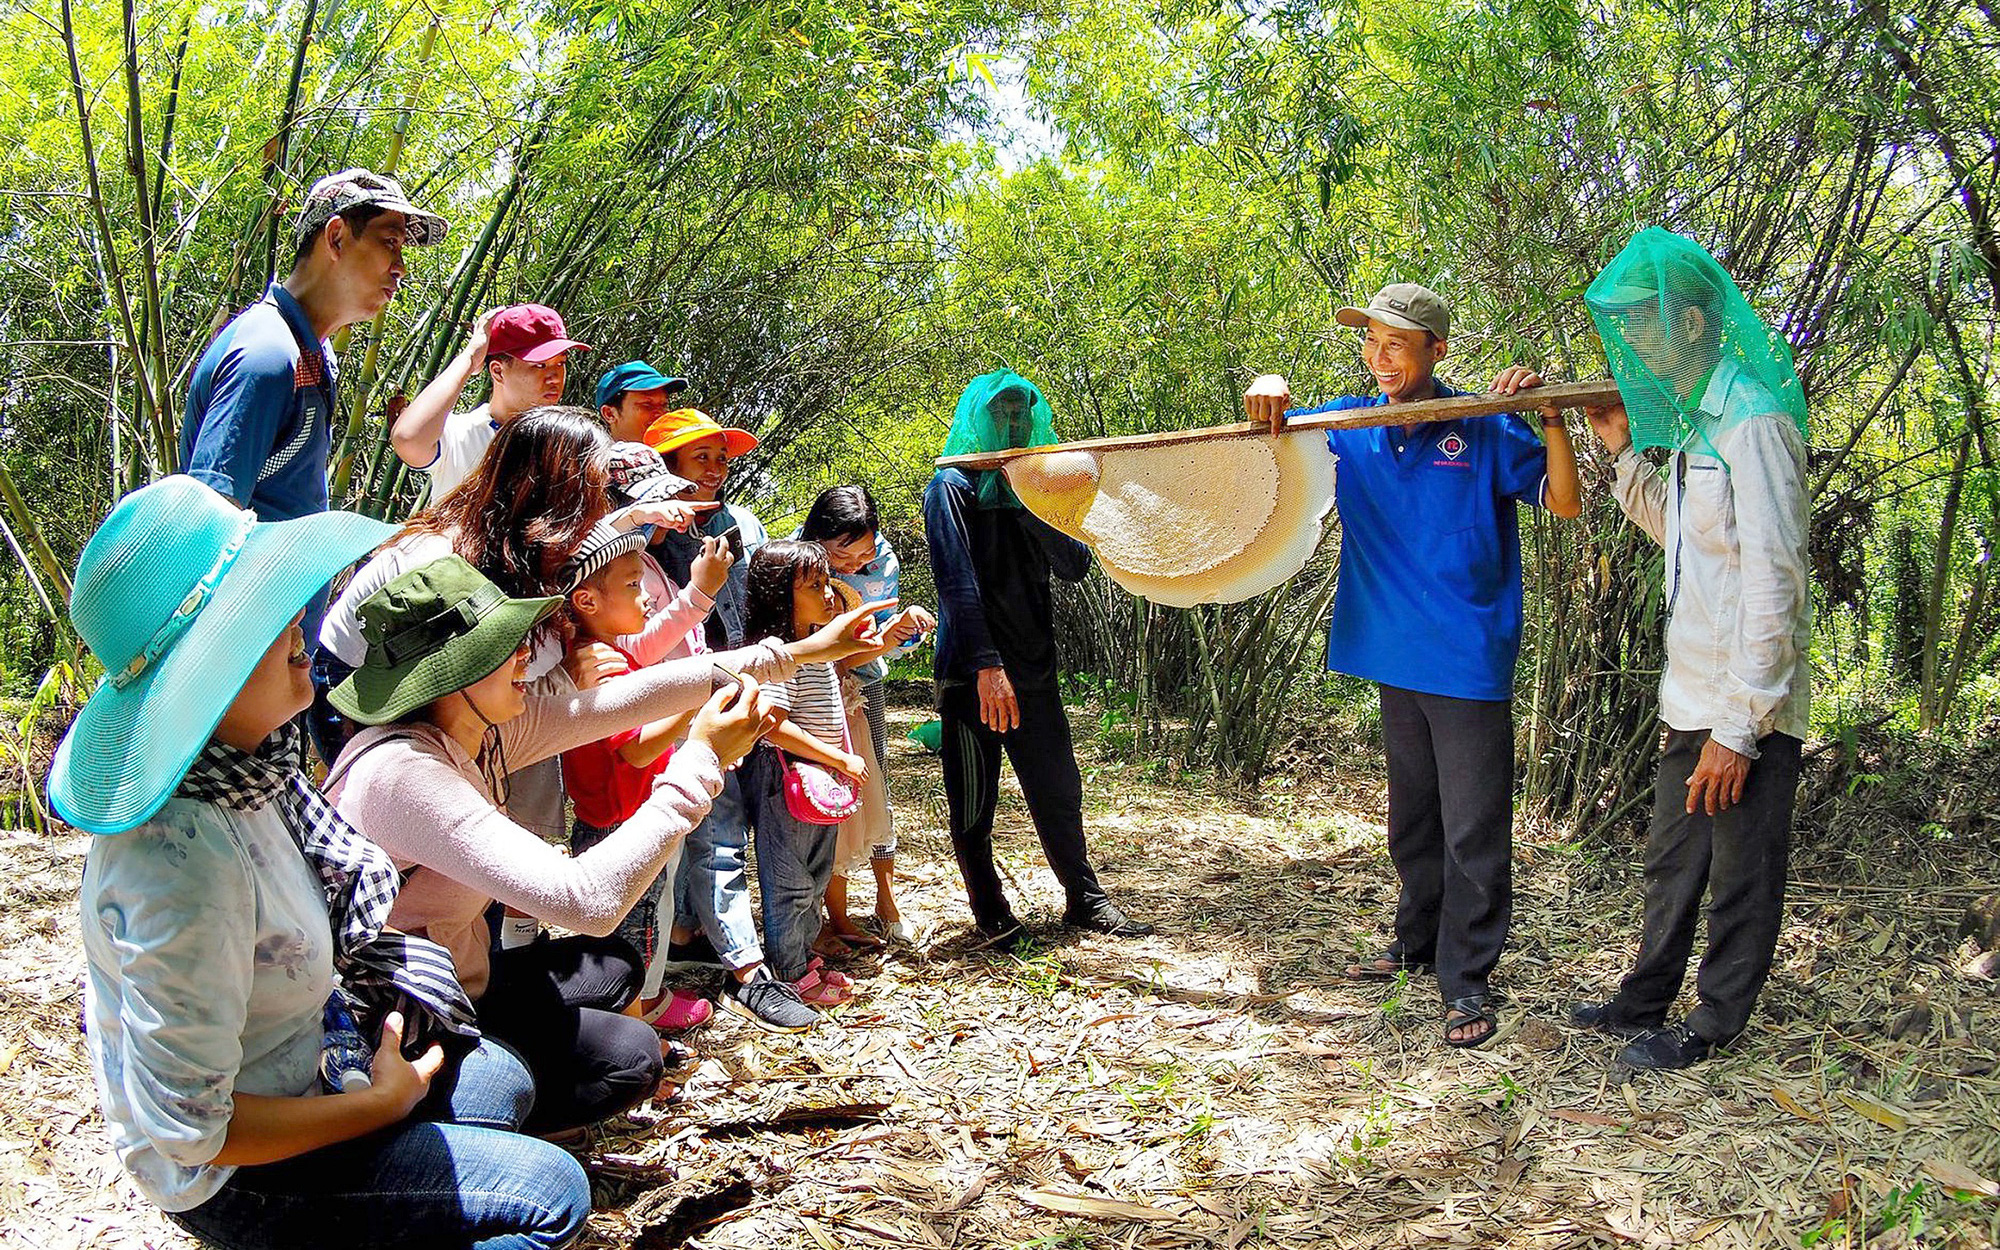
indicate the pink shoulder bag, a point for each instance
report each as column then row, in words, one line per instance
column 816, row 794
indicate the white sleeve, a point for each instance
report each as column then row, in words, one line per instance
column 1641, row 493
column 461, row 446
column 1767, row 483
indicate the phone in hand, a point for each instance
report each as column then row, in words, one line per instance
column 734, row 537
column 723, row 678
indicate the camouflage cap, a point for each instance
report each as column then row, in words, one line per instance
column 352, row 188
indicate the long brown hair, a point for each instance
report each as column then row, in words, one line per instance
column 532, row 500
column 775, row 569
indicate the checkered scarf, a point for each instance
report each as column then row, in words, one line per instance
column 381, row 970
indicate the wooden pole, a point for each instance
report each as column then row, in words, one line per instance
column 1560, row 394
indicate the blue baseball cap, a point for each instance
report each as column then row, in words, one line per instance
column 634, row 375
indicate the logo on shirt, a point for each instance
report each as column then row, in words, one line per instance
column 1451, row 446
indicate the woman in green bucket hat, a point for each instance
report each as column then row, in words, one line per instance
column 229, row 913
column 443, row 688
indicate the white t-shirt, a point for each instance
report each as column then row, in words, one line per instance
column 340, row 632
column 463, row 444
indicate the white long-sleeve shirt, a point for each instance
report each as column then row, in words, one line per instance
column 210, row 958
column 1739, row 623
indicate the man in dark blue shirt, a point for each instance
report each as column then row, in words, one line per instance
column 260, row 408
column 1429, row 608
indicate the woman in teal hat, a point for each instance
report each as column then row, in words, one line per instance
column 230, row 913
column 444, row 688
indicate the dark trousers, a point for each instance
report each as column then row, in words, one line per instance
column 1451, row 817
column 328, row 729
column 1045, row 763
column 559, row 1003
column 1739, row 858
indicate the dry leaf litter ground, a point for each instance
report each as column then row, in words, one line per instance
column 1219, row 1084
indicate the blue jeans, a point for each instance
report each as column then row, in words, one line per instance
column 468, row 1182
column 713, row 888
column 794, row 863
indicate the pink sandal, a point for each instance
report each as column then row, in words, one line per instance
column 816, row 990
column 679, row 1012
column 832, row 976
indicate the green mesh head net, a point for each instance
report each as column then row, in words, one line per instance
column 999, row 411
column 1690, row 356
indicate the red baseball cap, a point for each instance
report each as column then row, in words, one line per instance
column 530, row 332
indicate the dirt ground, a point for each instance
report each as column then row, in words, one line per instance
column 1219, row 1084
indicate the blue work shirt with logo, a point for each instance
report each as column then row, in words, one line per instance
column 1430, row 557
column 259, row 416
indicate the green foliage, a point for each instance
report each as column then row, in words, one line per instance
column 830, row 214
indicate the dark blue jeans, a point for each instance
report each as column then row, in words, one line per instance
column 464, row 1179
column 794, row 863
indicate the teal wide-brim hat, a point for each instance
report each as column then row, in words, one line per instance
column 180, row 594
column 431, row 631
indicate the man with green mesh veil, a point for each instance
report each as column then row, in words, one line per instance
column 998, row 411
column 997, row 662
column 1701, row 376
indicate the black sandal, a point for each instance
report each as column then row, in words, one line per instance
column 1386, row 966
column 1464, row 1012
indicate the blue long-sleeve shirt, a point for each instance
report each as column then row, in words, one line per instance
column 992, row 568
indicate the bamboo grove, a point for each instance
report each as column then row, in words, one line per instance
column 828, row 214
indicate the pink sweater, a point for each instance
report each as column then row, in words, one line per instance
column 414, row 791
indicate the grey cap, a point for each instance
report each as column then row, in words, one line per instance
column 351, row 188
column 1405, row 305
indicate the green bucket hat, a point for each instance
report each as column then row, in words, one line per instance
column 433, row 630
column 180, row 593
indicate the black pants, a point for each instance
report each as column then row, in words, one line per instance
column 1045, row 763
column 329, row 730
column 558, row 1003
column 1451, row 818
column 1739, row 858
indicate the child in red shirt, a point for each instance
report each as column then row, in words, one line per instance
column 609, row 779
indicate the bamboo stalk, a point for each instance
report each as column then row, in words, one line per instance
column 153, row 322
column 357, row 415
column 281, row 143
column 24, row 523
column 107, row 245
column 171, row 113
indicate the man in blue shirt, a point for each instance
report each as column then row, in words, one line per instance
column 1429, row 608
column 260, row 408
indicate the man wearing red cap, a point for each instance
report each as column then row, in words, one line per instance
column 526, row 349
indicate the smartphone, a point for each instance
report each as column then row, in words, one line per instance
column 734, row 537
column 722, row 678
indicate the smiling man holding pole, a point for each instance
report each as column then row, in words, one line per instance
column 1428, row 607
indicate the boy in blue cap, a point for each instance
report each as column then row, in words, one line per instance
column 631, row 396
column 1429, row 608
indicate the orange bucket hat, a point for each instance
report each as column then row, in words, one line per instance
column 684, row 425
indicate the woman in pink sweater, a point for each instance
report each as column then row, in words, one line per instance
column 443, row 685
